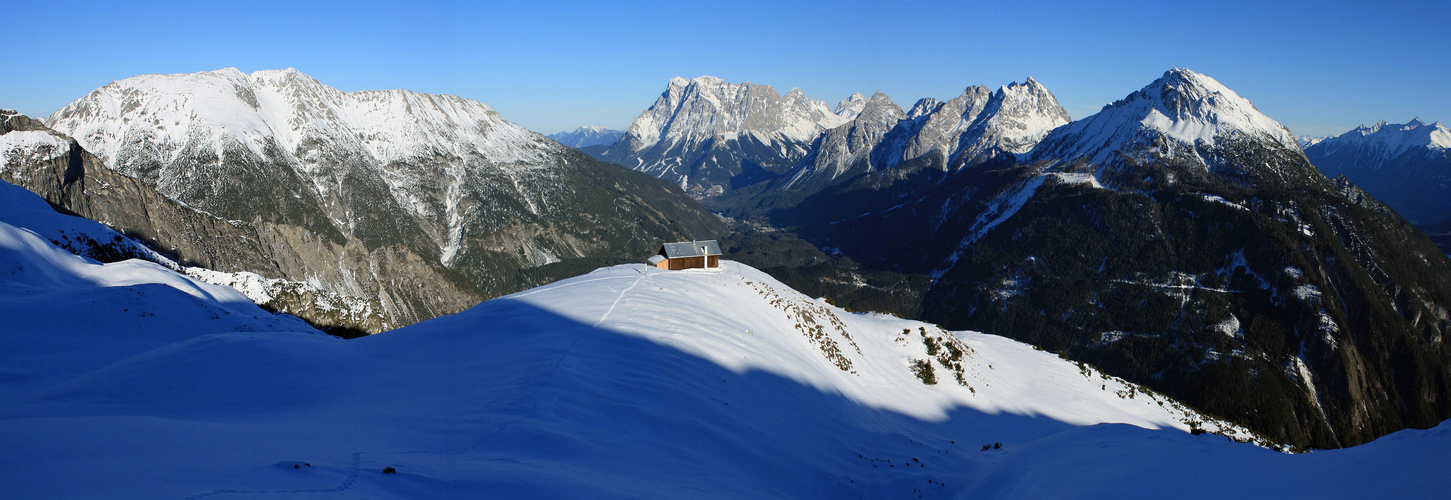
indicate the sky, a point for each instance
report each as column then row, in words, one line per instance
column 1320, row 68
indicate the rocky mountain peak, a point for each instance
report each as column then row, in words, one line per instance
column 1015, row 118
column 851, row 106
column 1181, row 114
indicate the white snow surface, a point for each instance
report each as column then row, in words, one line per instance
column 27, row 211
column 130, row 381
column 29, row 146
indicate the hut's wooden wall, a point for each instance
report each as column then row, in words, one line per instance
column 687, row 263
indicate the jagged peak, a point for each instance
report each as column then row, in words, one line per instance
column 924, row 106
column 1029, row 85
column 282, row 107
column 880, row 108
column 709, row 81
column 230, row 71
column 1395, row 137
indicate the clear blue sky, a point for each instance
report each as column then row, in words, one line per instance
column 1318, row 67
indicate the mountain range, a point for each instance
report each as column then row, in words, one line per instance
column 1408, row 166
column 423, row 203
column 1178, row 238
column 709, row 135
column 583, row 137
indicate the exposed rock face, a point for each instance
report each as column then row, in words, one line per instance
column 713, row 137
column 709, row 135
column 406, row 287
column 845, row 151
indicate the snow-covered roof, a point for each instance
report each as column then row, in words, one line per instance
column 690, row 249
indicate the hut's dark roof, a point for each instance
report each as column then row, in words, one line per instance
column 690, row 249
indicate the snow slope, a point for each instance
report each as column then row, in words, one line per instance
column 65, row 315
column 626, row 382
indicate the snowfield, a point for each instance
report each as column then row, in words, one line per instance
column 128, row 380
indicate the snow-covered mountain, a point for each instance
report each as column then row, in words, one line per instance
column 1188, row 118
column 1308, row 140
column 731, row 136
column 591, row 135
column 364, row 192
column 1172, row 222
column 128, row 381
column 221, row 251
column 964, row 131
column 392, row 155
column 1406, row 165
column 847, row 149
column 977, row 125
column 709, row 135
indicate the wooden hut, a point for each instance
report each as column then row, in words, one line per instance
column 687, row 255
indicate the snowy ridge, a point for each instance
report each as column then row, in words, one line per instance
column 1187, row 108
column 34, row 264
column 28, row 146
column 288, row 107
column 935, row 127
column 88, row 239
column 706, row 112
column 1307, row 140
column 746, row 320
column 604, row 386
column 975, row 126
column 590, row 135
column 1390, row 139
column 1404, row 165
column 705, row 107
column 170, row 129
column 29, row 212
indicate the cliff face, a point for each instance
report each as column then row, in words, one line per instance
column 405, row 287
